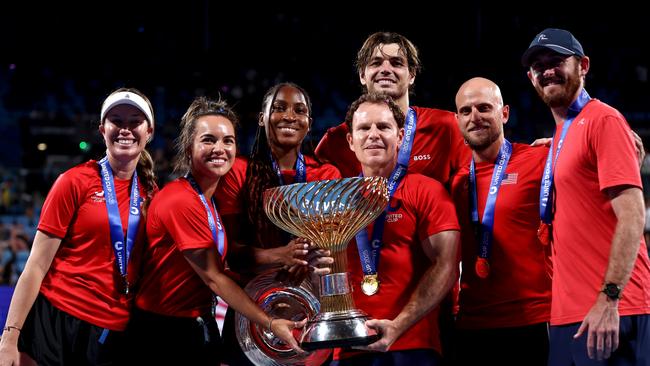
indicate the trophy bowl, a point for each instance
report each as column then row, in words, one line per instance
column 281, row 300
column 330, row 213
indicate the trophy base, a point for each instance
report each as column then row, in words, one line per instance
column 338, row 329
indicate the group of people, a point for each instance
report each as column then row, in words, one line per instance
column 549, row 239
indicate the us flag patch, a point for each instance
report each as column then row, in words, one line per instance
column 510, row 178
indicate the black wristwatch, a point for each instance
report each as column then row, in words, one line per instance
column 613, row 291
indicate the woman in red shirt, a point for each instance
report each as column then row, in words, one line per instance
column 276, row 159
column 173, row 320
column 79, row 276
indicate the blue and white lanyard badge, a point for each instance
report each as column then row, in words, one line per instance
column 546, row 191
column 214, row 222
column 121, row 247
column 301, row 170
column 299, row 177
column 485, row 238
column 369, row 250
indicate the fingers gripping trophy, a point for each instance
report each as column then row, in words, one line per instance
column 330, row 213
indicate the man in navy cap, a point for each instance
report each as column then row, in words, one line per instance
column 592, row 202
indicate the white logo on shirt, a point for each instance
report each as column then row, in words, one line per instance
column 98, row 196
column 393, row 217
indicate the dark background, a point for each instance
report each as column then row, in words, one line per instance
column 58, row 63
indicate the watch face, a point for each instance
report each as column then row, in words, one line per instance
column 612, row 291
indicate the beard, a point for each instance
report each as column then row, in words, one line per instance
column 393, row 93
column 481, row 143
column 571, row 84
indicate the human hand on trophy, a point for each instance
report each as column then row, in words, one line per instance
column 389, row 331
column 291, row 254
column 315, row 262
column 284, row 329
column 319, row 260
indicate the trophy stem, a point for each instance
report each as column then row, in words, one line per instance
column 336, row 303
column 339, row 323
column 340, row 264
column 335, row 288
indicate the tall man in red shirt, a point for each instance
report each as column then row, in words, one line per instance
column 505, row 297
column 591, row 194
column 388, row 63
column 409, row 253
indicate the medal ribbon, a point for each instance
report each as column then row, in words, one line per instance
column 213, row 222
column 121, row 249
column 301, row 170
column 369, row 251
column 545, row 194
column 487, row 223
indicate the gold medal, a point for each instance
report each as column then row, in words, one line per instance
column 370, row 284
column 482, row 267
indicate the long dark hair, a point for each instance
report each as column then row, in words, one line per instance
column 259, row 172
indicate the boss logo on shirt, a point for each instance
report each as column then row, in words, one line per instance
column 422, row 157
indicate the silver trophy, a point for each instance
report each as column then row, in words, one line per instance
column 282, row 299
column 330, row 213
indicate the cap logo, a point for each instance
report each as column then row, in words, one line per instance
column 542, row 37
column 132, row 98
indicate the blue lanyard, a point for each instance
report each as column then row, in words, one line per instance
column 301, row 170
column 122, row 252
column 487, row 224
column 545, row 193
column 213, row 222
column 369, row 251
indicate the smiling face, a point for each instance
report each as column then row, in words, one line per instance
column 481, row 113
column 557, row 78
column 375, row 136
column 213, row 148
column 125, row 130
column 287, row 119
column 387, row 72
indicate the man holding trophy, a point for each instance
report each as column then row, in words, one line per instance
column 404, row 264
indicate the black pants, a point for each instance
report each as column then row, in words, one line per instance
column 411, row 357
column 53, row 337
column 633, row 347
column 155, row 339
column 527, row 345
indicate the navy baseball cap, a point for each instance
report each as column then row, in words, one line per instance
column 558, row 40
